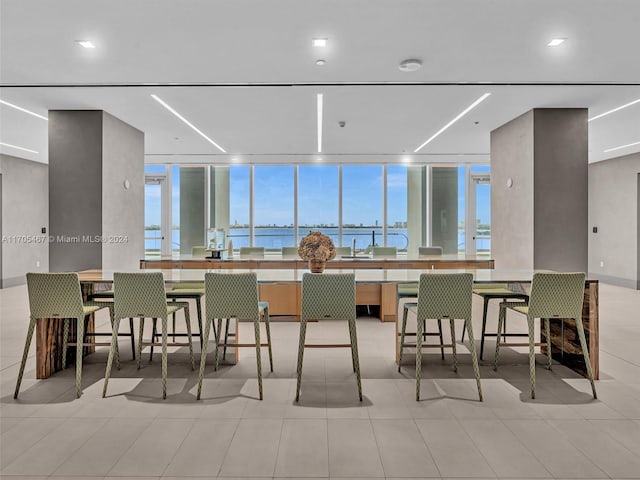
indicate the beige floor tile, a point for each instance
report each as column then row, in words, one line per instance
column 353, row 450
column 254, row 448
column 303, row 449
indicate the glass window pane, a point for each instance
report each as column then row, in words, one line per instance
column 273, row 206
column 483, row 209
column 462, row 191
column 397, row 207
column 153, row 210
column 239, row 205
column 175, row 209
column 318, row 200
column 362, row 205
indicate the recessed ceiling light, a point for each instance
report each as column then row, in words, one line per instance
column 621, row 147
column 17, row 148
column 615, row 109
column 556, row 41
column 320, row 62
column 410, row 65
column 319, row 42
column 85, row 43
column 319, row 106
column 458, row 117
column 23, row 109
column 196, row 129
column 406, row 159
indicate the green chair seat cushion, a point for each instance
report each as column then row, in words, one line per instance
column 189, row 286
column 407, row 290
column 175, row 306
column 87, row 309
column 523, row 310
column 498, row 292
column 103, row 294
column 183, row 292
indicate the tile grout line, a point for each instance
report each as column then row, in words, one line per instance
column 175, row 452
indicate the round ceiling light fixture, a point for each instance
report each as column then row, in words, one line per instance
column 410, row 65
column 320, row 62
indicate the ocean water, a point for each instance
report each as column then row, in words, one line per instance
column 276, row 238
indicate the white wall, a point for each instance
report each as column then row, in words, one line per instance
column 512, row 211
column 613, row 209
column 122, row 208
column 25, row 210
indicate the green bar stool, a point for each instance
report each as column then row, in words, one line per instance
column 105, row 297
column 553, row 295
column 384, row 251
column 429, row 250
column 58, row 295
column 188, row 291
column 199, row 252
column 142, row 295
column 344, row 251
column 252, row 252
column 290, row 252
column 441, row 296
column 234, row 295
column 181, row 291
column 493, row 291
column 410, row 290
column 329, row 295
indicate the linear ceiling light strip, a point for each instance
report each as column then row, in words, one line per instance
column 319, row 103
column 196, row 129
column 23, row 110
column 614, row 110
column 621, row 147
column 18, row 148
column 460, row 115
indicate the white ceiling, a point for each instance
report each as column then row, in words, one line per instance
column 468, row 46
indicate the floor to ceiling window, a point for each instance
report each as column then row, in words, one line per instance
column 396, row 211
column 274, row 206
column 273, row 217
column 362, row 205
column 318, row 200
column 240, row 205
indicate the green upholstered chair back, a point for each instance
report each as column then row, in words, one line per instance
column 231, row 295
column 199, row 252
column 442, row 295
column 384, row 251
column 139, row 294
column 252, row 251
column 290, row 252
column 556, row 295
column 343, row 251
column 429, row 250
column 328, row 295
column 54, row 295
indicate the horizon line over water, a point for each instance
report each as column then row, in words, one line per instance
column 275, row 238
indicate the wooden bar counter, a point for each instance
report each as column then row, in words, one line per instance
column 361, row 262
column 284, row 296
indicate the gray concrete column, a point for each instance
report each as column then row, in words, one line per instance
column 219, row 207
column 415, row 208
column 192, row 208
column 444, row 208
column 96, row 191
column 539, row 191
